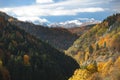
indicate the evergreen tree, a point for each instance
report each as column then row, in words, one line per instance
column 90, row 49
column 104, row 44
column 97, row 47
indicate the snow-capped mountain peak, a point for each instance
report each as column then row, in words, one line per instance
column 75, row 23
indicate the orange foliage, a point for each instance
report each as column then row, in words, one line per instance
column 100, row 66
column 93, row 45
column 103, row 40
column 115, row 42
column 92, row 67
column 26, row 59
column 117, row 62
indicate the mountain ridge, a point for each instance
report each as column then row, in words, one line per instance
column 80, row 30
column 75, row 23
column 27, row 58
column 60, row 38
column 97, row 51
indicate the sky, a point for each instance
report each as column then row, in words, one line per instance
column 52, row 11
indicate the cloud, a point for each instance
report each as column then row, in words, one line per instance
column 32, row 19
column 44, row 1
column 66, row 7
column 51, row 8
column 91, row 9
column 36, row 20
column 86, row 19
column 89, row 20
column 77, row 22
column 116, row 5
column 36, row 10
column 67, row 24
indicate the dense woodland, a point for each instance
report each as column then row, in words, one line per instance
column 59, row 38
column 24, row 57
column 98, row 51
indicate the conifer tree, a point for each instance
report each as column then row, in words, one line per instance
column 90, row 49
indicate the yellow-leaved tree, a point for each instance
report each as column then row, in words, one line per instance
column 26, row 59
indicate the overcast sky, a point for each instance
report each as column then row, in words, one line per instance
column 59, row 10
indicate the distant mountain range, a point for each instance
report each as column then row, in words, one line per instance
column 58, row 37
column 75, row 23
column 66, row 24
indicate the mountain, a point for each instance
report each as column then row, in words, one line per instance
column 75, row 23
column 80, row 30
column 97, row 51
column 24, row 57
column 67, row 24
column 59, row 38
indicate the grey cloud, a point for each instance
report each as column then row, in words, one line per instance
column 115, row 5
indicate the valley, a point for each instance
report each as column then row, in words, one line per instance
column 36, row 52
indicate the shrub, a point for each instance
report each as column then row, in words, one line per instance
column 92, row 68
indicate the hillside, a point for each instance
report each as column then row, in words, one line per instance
column 97, row 51
column 59, row 38
column 24, row 57
column 80, row 30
